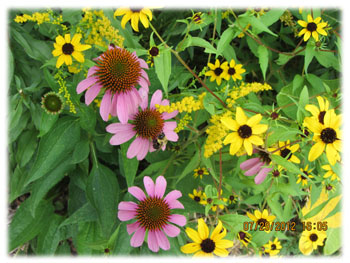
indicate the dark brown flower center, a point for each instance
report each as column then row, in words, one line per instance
column 208, row 245
column 232, row 197
column 154, row 51
column 197, row 18
column 209, row 200
column 218, row 71
column 286, row 152
column 197, row 198
column 148, row 123
column 135, row 10
column 275, row 173
column 242, row 235
column 329, row 187
column 273, row 247
column 274, row 115
column 313, row 237
column 261, row 221
column 328, row 135
column 231, row 71
column 118, row 70
column 200, row 172
column 321, row 117
column 244, row 131
column 311, row 26
column 153, row 213
column 265, row 157
column 67, row 49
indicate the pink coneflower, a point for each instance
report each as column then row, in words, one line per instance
column 153, row 214
column 117, row 71
column 147, row 124
column 256, row 166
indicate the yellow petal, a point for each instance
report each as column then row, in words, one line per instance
column 235, row 146
column 57, row 52
column 218, row 80
column 303, row 31
column 217, row 63
column 81, row 47
column 190, row 248
column 332, row 154
column 257, row 214
column 125, row 19
column 315, row 35
column 60, row 40
column 317, row 20
column 211, row 66
column 265, row 214
column 148, row 12
column 313, row 109
column 193, row 234
column 68, row 60
column 334, row 221
column 260, row 128
column 254, row 120
column 203, row 229
column 248, row 147
column 121, row 11
column 60, row 61
column 67, row 38
column 230, row 123
column 307, row 35
column 216, row 230
column 316, row 150
column 294, row 148
column 76, row 39
column 231, row 138
column 144, row 20
column 302, row 23
column 135, row 21
column 251, row 216
column 223, row 243
column 256, row 140
column 241, row 118
column 78, row 56
column 321, row 31
column 221, row 252
column 309, row 18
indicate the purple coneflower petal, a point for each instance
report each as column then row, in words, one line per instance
column 127, row 206
column 122, row 137
column 138, row 238
column 86, row 83
column 135, row 99
column 122, row 109
column 143, row 83
column 114, row 105
column 131, row 228
column 163, row 241
column 143, row 92
column 92, row 71
column 120, row 127
column 177, row 219
column 173, row 195
column 137, row 193
column 262, row 175
column 152, row 241
column 156, row 98
column 175, row 204
column 254, row 170
column 149, row 185
column 106, row 105
column 160, row 186
column 167, row 116
column 92, row 93
column 169, row 126
column 171, row 136
column 249, row 163
column 134, row 147
column 171, row 230
column 125, row 215
column 143, row 63
column 143, row 150
column 145, row 76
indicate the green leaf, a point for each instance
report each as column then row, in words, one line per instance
column 327, row 59
column 81, row 151
column 200, row 42
column 275, row 206
column 333, row 241
column 263, row 59
column 162, row 65
column 258, row 26
column 285, row 163
column 24, row 226
column 233, row 222
column 46, row 123
column 87, row 118
column 41, row 186
column 288, row 210
column 227, row 36
column 298, row 81
column 102, row 192
column 54, row 147
column 27, row 144
column 284, row 101
column 309, row 55
column 128, row 167
column 281, row 134
column 86, row 213
column 303, row 100
column 193, row 164
column 271, row 16
column 16, row 110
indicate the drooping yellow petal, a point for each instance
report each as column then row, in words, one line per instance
column 332, row 154
column 148, row 12
column 315, row 35
column 78, row 56
column 316, row 150
column 231, row 138
column 135, row 21
column 121, row 11
column 313, row 109
column 248, row 147
column 252, row 217
column 68, row 60
column 144, row 20
column 236, row 145
column 216, row 230
column 256, row 140
column 303, row 31
column 125, row 19
column 221, row 252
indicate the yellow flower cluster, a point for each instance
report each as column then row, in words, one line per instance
column 63, row 88
column 187, row 104
column 37, row 17
column 244, row 90
column 102, row 33
column 183, row 122
column 216, row 134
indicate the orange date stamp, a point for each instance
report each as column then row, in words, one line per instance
column 283, row 226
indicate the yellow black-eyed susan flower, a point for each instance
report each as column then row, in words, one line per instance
column 196, row 196
column 244, row 237
column 66, row 47
column 330, row 173
column 205, row 245
column 273, row 248
column 232, row 199
column 144, row 15
column 305, row 175
column 329, row 187
column 210, row 201
column 286, row 150
column 312, row 27
column 200, row 172
column 216, row 72
column 310, row 240
column 327, row 137
column 245, row 131
column 318, row 112
column 232, row 70
column 197, row 18
column 261, row 218
column 152, row 53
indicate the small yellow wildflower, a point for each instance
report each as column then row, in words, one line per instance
column 200, row 172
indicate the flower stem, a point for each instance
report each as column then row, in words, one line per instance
column 93, row 151
column 176, row 54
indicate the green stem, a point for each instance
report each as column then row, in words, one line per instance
column 93, row 151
